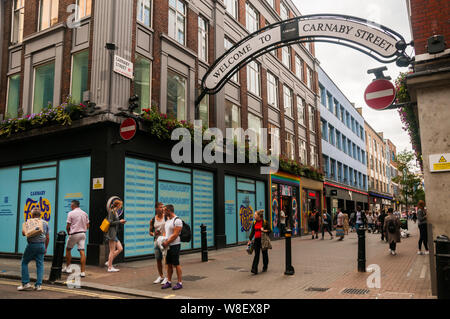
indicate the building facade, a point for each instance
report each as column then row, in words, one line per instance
column 392, row 172
column 54, row 49
column 343, row 149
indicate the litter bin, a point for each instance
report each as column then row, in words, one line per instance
column 443, row 266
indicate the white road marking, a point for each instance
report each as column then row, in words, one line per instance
column 379, row 94
column 423, row 272
column 409, row 272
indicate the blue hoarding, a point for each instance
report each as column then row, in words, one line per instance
column 9, row 186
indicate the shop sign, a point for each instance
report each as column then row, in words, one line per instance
column 286, row 190
column 43, row 204
column 312, row 194
column 440, row 162
column 123, row 67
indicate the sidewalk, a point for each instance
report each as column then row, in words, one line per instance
column 323, row 269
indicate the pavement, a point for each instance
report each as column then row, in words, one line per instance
column 324, row 269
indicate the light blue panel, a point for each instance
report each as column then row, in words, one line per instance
column 37, row 165
column 73, row 184
column 246, row 204
column 246, row 185
column 41, row 194
column 140, row 181
column 179, row 196
column 9, row 188
column 261, row 197
column 230, row 210
column 174, row 176
column 178, row 168
column 203, row 206
column 39, row 173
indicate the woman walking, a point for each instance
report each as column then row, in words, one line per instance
column 422, row 217
column 346, row 223
column 326, row 224
column 115, row 247
column 260, row 228
column 392, row 230
column 340, row 225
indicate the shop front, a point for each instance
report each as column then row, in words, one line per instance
column 379, row 202
column 345, row 198
column 311, row 199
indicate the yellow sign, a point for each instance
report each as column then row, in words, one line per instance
column 439, row 163
column 442, row 160
column 98, row 183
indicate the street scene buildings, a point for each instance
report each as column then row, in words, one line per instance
column 72, row 71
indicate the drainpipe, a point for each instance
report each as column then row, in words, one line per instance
column 111, row 52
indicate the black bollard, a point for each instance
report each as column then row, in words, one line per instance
column 361, row 249
column 204, row 243
column 289, row 269
column 58, row 256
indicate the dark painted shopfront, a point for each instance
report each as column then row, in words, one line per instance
column 345, row 198
column 379, row 202
column 49, row 167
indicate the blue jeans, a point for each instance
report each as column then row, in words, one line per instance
column 34, row 251
column 358, row 225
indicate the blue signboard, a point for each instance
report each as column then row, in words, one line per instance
column 203, row 206
column 230, row 210
column 9, row 185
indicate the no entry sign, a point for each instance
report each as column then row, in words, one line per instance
column 380, row 94
column 128, row 129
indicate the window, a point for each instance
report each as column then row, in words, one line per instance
column 271, row 3
column 44, row 82
column 302, row 152
column 342, row 115
column 228, row 44
column 202, row 111
column 336, row 108
column 331, row 135
column 272, row 90
column 17, row 21
column 142, row 81
column 357, row 129
column 338, row 140
column 284, row 11
column 84, row 9
column 274, row 138
column 177, row 18
column 332, row 169
column 312, row 119
column 202, row 39
column 288, row 103
column 354, row 151
column 326, row 165
column 363, row 157
column 255, row 124
column 339, row 170
column 301, row 110
column 347, row 116
column 48, row 14
column 13, row 99
column 79, row 75
column 353, row 124
column 232, row 7
column 323, row 96
column 324, row 127
column 330, row 102
column 309, row 78
column 299, row 68
column 290, row 146
column 286, row 56
column 252, row 18
column 232, row 115
column 346, row 179
column 349, row 147
column 344, row 144
column 176, row 95
column 351, row 176
column 361, row 133
column 314, row 156
column 358, row 152
column 253, row 81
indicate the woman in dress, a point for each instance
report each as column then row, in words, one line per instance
column 115, row 247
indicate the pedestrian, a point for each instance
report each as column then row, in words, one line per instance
column 414, row 217
column 370, row 222
column 157, row 225
column 115, row 246
column 313, row 222
column 392, row 230
column 423, row 227
column 340, row 225
column 360, row 218
column 77, row 226
column 282, row 222
column 352, row 221
column 172, row 230
column 346, row 223
column 381, row 219
column 326, row 224
column 35, row 250
column 259, row 228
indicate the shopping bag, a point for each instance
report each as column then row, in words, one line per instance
column 33, row 227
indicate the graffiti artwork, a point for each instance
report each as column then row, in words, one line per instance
column 43, row 204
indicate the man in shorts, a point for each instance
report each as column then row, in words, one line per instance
column 173, row 228
column 77, row 226
column 157, row 229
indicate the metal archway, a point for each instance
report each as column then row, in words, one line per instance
column 375, row 40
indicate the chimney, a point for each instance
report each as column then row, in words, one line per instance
column 359, row 109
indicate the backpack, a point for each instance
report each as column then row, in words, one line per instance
column 391, row 227
column 185, row 234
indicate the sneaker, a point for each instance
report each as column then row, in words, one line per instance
column 254, row 271
column 83, row 274
column 427, row 252
column 25, row 287
column 419, row 253
column 393, row 253
column 178, row 286
column 164, row 281
column 112, row 269
column 38, row 288
column 106, row 263
column 158, row 280
column 167, row 285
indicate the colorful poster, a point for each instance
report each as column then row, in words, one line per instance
column 295, row 228
column 230, row 210
column 9, row 185
column 203, row 206
column 275, row 214
column 245, row 215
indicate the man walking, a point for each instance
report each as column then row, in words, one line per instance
column 77, row 226
column 326, row 224
column 381, row 220
column 35, row 250
column 282, row 222
column 392, row 229
column 173, row 228
column 156, row 230
column 360, row 218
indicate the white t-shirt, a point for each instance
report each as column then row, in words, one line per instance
column 169, row 227
column 282, row 217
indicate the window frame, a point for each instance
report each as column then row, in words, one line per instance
column 286, row 11
column 7, row 92
column 248, row 9
column 151, row 75
column 272, row 88
column 255, row 75
column 290, row 97
column 286, row 55
column 203, row 35
column 71, row 68
column 301, row 113
column 151, row 13
column 235, row 11
column 21, row 11
column 34, row 80
column 39, row 24
column 185, row 92
column 177, row 13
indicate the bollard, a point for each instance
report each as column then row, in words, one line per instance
column 289, row 269
column 204, row 243
column 361, row 249
column 58, row 256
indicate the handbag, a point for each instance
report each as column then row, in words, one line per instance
column 250, row 248
column 265, row 241
column 339, row 231
column 105, row 225
column 33, row 227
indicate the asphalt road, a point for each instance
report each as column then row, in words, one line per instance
column 8, row 290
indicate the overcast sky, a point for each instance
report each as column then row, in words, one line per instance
column 348, row 67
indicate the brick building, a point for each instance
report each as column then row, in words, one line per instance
column 52, row 49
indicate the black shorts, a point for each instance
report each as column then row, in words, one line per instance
column 173, row 255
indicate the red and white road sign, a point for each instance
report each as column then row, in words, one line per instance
column 128, row 129
column 380, row 94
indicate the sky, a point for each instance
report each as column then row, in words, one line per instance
column 348, row 67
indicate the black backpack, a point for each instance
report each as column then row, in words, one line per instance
column 185, row 234
column 391, row 227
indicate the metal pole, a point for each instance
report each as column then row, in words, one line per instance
column 204, row 243
column 58, row 257
column 289, row 269
column 361, row 249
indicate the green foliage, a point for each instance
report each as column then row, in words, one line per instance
column 408, row 181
